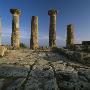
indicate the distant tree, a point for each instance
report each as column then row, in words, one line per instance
column 22, row 45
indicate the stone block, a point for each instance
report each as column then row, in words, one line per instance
column 3, row 49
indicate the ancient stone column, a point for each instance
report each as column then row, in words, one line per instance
column 34, row 33
column 70, row 36
column 52, row 28
column 15, row 37
column 0, row 31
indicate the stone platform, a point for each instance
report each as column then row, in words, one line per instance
column 41, row 70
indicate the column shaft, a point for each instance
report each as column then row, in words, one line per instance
column 70, row 36
column 52, row 31
column 15, row 37
column 0, row 31
column 34, row 33
column 52, row 28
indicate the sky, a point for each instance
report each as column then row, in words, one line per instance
column 76, row 12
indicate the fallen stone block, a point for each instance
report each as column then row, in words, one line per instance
column 3, row 49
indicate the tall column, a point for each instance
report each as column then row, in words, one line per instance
column 0, row 31
column 34, row 33
column 52, row 28
column 70, row 36
column 15, row 37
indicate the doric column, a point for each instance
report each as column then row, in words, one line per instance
column 34, row 33
column 52, row 29
column 70, row 36
column 0, row 31
column 15, row 37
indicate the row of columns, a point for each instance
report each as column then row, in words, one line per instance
column 15, row 36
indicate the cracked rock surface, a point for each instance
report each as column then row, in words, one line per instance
column 33, row 70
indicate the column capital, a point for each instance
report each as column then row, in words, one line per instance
column 34, row 16
column 69, row 26
column 15, row 11
column 52, row 12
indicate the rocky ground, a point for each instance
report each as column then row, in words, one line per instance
column 39, row 70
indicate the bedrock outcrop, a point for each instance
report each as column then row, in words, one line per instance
column 40, row 70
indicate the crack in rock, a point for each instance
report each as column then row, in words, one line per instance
column 23, row 85
column 50, row 64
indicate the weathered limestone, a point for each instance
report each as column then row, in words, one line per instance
column 70, row 36
column 3, row 49
column 34, row 33
column 15, row 37
column 0, row 31
column 52, row 29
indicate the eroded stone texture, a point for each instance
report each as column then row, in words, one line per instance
column 52, row 29
column 15, row 37
column 26, row 69
column 34, row 33
column 70, row 36
column 3, row 49
column 0, row 30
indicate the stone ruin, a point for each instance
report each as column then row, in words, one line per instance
column 34, row 33
column 0, row 30
column 52, row 29
column 15, row 37
column 27, row 70
column 70, row 36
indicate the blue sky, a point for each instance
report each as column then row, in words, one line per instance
column 76, row 12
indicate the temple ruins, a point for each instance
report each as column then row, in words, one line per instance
column 15, row 36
